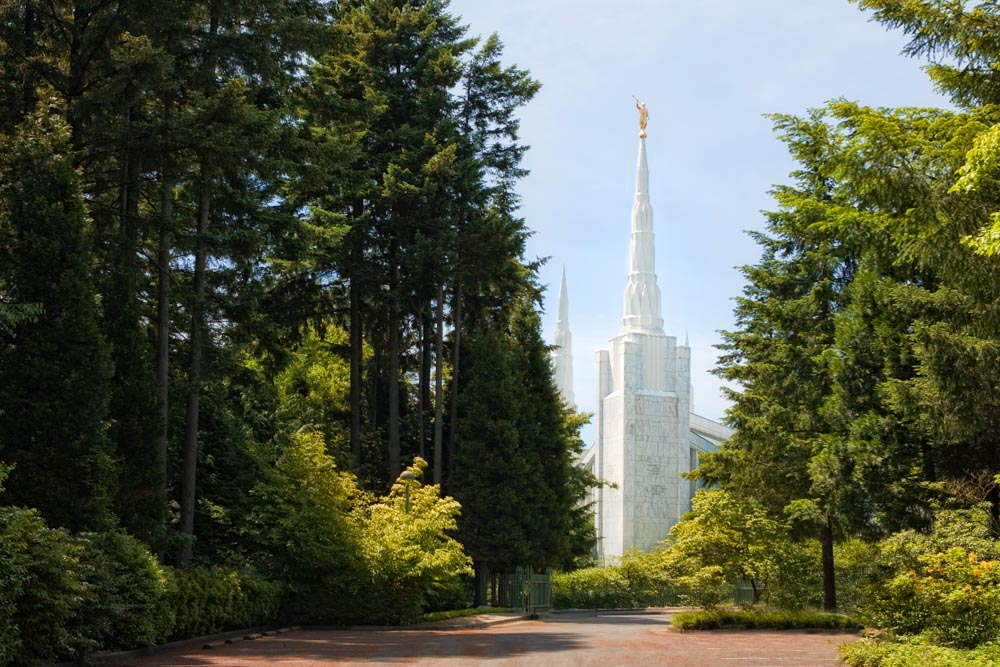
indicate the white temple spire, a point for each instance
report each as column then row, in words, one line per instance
column 642, row 295
column 562, row 355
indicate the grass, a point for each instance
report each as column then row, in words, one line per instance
column 753, row 619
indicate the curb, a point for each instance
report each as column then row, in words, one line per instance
column 205, row 642
column 459, row 623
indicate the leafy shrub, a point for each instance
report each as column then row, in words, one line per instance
column 752, row 619
column 40, row 590
column 952, row 598
column 725, row 538
column 406, row 551
column 857, row 570
column 914, row 652
column 638, row 580
column 125, row 605
column 303, row 527
column 210, row 600
column 591, row 588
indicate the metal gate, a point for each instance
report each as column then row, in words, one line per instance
column 523, row 589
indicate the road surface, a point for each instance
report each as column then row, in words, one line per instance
column 577, row 639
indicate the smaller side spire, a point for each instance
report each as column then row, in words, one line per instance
column 562, row 354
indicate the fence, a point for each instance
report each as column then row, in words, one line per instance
column 523, row 589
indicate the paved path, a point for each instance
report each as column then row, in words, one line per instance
column 576, row 639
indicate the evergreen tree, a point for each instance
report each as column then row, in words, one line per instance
column 515, row 448
column 54, row 374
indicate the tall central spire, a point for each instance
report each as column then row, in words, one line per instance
column 642, row 295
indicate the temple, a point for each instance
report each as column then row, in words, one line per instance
column 646, row 432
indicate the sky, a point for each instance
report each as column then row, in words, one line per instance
column 708, row 71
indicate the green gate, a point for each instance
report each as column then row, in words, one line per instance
column 524, row 589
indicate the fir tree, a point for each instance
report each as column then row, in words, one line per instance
column 54, row 375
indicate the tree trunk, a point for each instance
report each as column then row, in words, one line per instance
column 188, row 479
column 357, row 349
column 164, row 242
column 163, row 326
column 829, row 575
column 993, row 493
column 455, row 367
column 393, row 369
column 439, row 386
column 482, row 580
column 424, row 392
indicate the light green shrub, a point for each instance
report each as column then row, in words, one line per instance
column 406, row 551
column 591, row 588
column 637, row 580
column 725, row 538
column 952, row 598
column 915, row 652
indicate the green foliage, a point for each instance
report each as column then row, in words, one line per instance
column 41, row 591
column 755, row 619
column 725, row 538
column 952, row 598
column 916, row 652
column 209, row 600
column 54, row 372
column 312, row 389
column 638, row 580
column 301, row 520
column 346, row 556
column 406, row 550
column 516, row 445
column 126, row 601
column 858, row 571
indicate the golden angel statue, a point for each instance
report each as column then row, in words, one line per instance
column 643, row 116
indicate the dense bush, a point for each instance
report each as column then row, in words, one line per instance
column 755, row 619
column 406, row 552
column 914, row 652
column 40, row 590
column 725, row 538
column 126, row 601
column 210, row 600
column 943, row 585
column 637, row 580
column 952, row 598
column 350, row 557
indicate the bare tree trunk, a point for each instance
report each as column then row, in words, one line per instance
column 829, row 575
column 357, row 349
column 163, row 327
column 455, row 366
column 481, row 577
column 189, row 475
column 439, row 387
column 394, row 326
column 424, row 392
column 163, row 249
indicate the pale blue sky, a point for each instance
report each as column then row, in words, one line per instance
column 708, row 71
